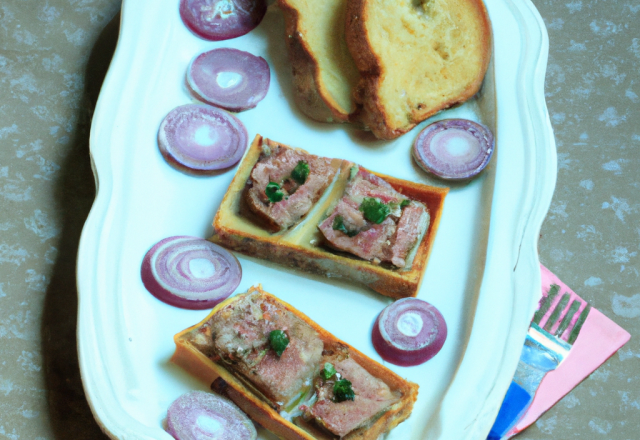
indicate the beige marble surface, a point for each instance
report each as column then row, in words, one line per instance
column 53, row 56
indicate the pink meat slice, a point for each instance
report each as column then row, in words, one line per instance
column 369, row 243
column 240, row 335
column 365, row 184
column 277, row 167
column 414, row 221
column 372, row 396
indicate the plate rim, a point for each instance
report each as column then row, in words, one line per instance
column 117, row 423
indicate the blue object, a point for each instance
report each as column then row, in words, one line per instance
column 513, row 407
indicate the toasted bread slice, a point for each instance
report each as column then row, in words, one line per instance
column 302, row 246
column 416, row 57
column 324, row 73
column 195, row 354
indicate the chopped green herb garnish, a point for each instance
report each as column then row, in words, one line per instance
column 273, row 192
column 405, row 203
column 342, row 391
column 328, row 371
column 300, row 172
column 374, row 209
column 278, row 341
column 338, row 225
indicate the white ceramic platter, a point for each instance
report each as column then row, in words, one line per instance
column 483, row 274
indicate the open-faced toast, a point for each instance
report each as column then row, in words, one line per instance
column 304, row 246
column 415, row 58
column 198, row 352
column 324, row 74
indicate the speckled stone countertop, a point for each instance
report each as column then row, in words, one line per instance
column 53, row 57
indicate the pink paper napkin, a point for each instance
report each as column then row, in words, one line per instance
column 598, row 340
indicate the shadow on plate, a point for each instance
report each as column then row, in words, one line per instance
column 69, row 413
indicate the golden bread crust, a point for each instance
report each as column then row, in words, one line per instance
column 300, row 248
column 314, row 96
column 196, row 362
column 455, row 75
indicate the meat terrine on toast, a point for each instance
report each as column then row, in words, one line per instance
column 366, row 227
column 331, row 389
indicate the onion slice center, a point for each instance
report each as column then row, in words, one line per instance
column 217, row 20
column 201, row 139
column 454, row 149
column 190, row 272
column 199, row 415
column 409, row 332
column 229, row 78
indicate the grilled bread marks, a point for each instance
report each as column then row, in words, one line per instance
column 324, row 72
column 276, row 164
column 416, row 58
column 240, row 335
column 390, row 239
column 372, row 398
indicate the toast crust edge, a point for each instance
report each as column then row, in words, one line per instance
column 372, row 113
column 309, row 92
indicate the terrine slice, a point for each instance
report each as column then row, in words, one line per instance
column 372, row 397
column 240, row 334
column 285, row 183
column 375, row 222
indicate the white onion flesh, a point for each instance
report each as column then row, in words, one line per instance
column 454, row 149
column 229, row 78
column 190, row 272
column 199, row 415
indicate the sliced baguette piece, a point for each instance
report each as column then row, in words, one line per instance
column 194, row 353
column 301, row 247
column 416, row 57
column 324, row 73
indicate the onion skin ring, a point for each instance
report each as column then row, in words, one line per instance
column 186, row 154
column 244, row 93
column 207, row 291
column 199, row 415
column 217, row 20
column 429, row 338
column 433, row 150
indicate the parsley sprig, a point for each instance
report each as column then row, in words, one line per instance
column 300, row 172
column 374, row 209
column 278, row 341
column 274, row 192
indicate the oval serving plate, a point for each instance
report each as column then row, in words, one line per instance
column 483, row 273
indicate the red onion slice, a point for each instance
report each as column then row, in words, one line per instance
column 190, row 272
column 217, row 20
column 454, row 148
column 198, row 415
column 201, row 139
column 229, row 78
column 409, row 332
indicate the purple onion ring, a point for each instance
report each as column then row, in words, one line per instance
column 201, row 139
column 190, row 272
column 217, row 20
column 199, row 415
column 454, row 149
column 229, row 78
column 409, row 332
